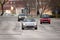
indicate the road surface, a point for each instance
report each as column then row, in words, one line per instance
column 11, row 30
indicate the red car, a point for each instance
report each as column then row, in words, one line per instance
column 45, row 19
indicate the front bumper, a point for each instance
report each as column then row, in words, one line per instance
column 30, row 26
column 46, row 21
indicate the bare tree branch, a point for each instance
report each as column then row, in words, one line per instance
column 2, row 2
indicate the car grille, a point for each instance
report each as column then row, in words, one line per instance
column 45, row 20
column 29, row 26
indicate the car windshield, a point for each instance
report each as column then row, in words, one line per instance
column 22, row 14
column 29, row 20
column 45, row 16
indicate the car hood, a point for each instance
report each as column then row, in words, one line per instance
column 29, row 23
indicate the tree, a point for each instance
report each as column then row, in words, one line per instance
column 27, row 6
column 55, row 4
column 30, row 4
column 2, row 2
column 43, row 5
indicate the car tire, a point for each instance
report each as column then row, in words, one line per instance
column 22, row 27
column 49, row 22
column 35, row 28
column 40, row 22
column 18, row 19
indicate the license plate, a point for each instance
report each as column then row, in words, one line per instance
column 30, row 24
column 45, row 21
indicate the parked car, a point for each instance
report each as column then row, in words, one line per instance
column 45, row 19
column 22, row 16
column 29, row 23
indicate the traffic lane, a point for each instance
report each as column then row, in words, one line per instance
column 55, row 24
column 9, row 26
column 43, row 31
column 40, row 39
column 48, row 27
column 16, row 25
column 43, row 34
column 7, row 37
column 30, row 35
column 8, row 30
column 38, row 34
column 25, row 32
column 52, row 28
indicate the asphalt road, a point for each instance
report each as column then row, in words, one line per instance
column 11, row 30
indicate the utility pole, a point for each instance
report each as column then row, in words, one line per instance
column 36, row 6
column 56, row 13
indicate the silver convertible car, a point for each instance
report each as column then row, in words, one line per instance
column 29, row 23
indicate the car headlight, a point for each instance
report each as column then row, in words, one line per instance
column 25, row 16
column 24, row 24
column 35, row 24
column 19, row 17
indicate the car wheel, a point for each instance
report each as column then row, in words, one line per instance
column 36, row 28
column 18, row 19
column 49, row 22
column 22, row 27
column 40, row 22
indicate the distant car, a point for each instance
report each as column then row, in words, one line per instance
column 29, row 23
column 45, row 19
column 22, row 16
